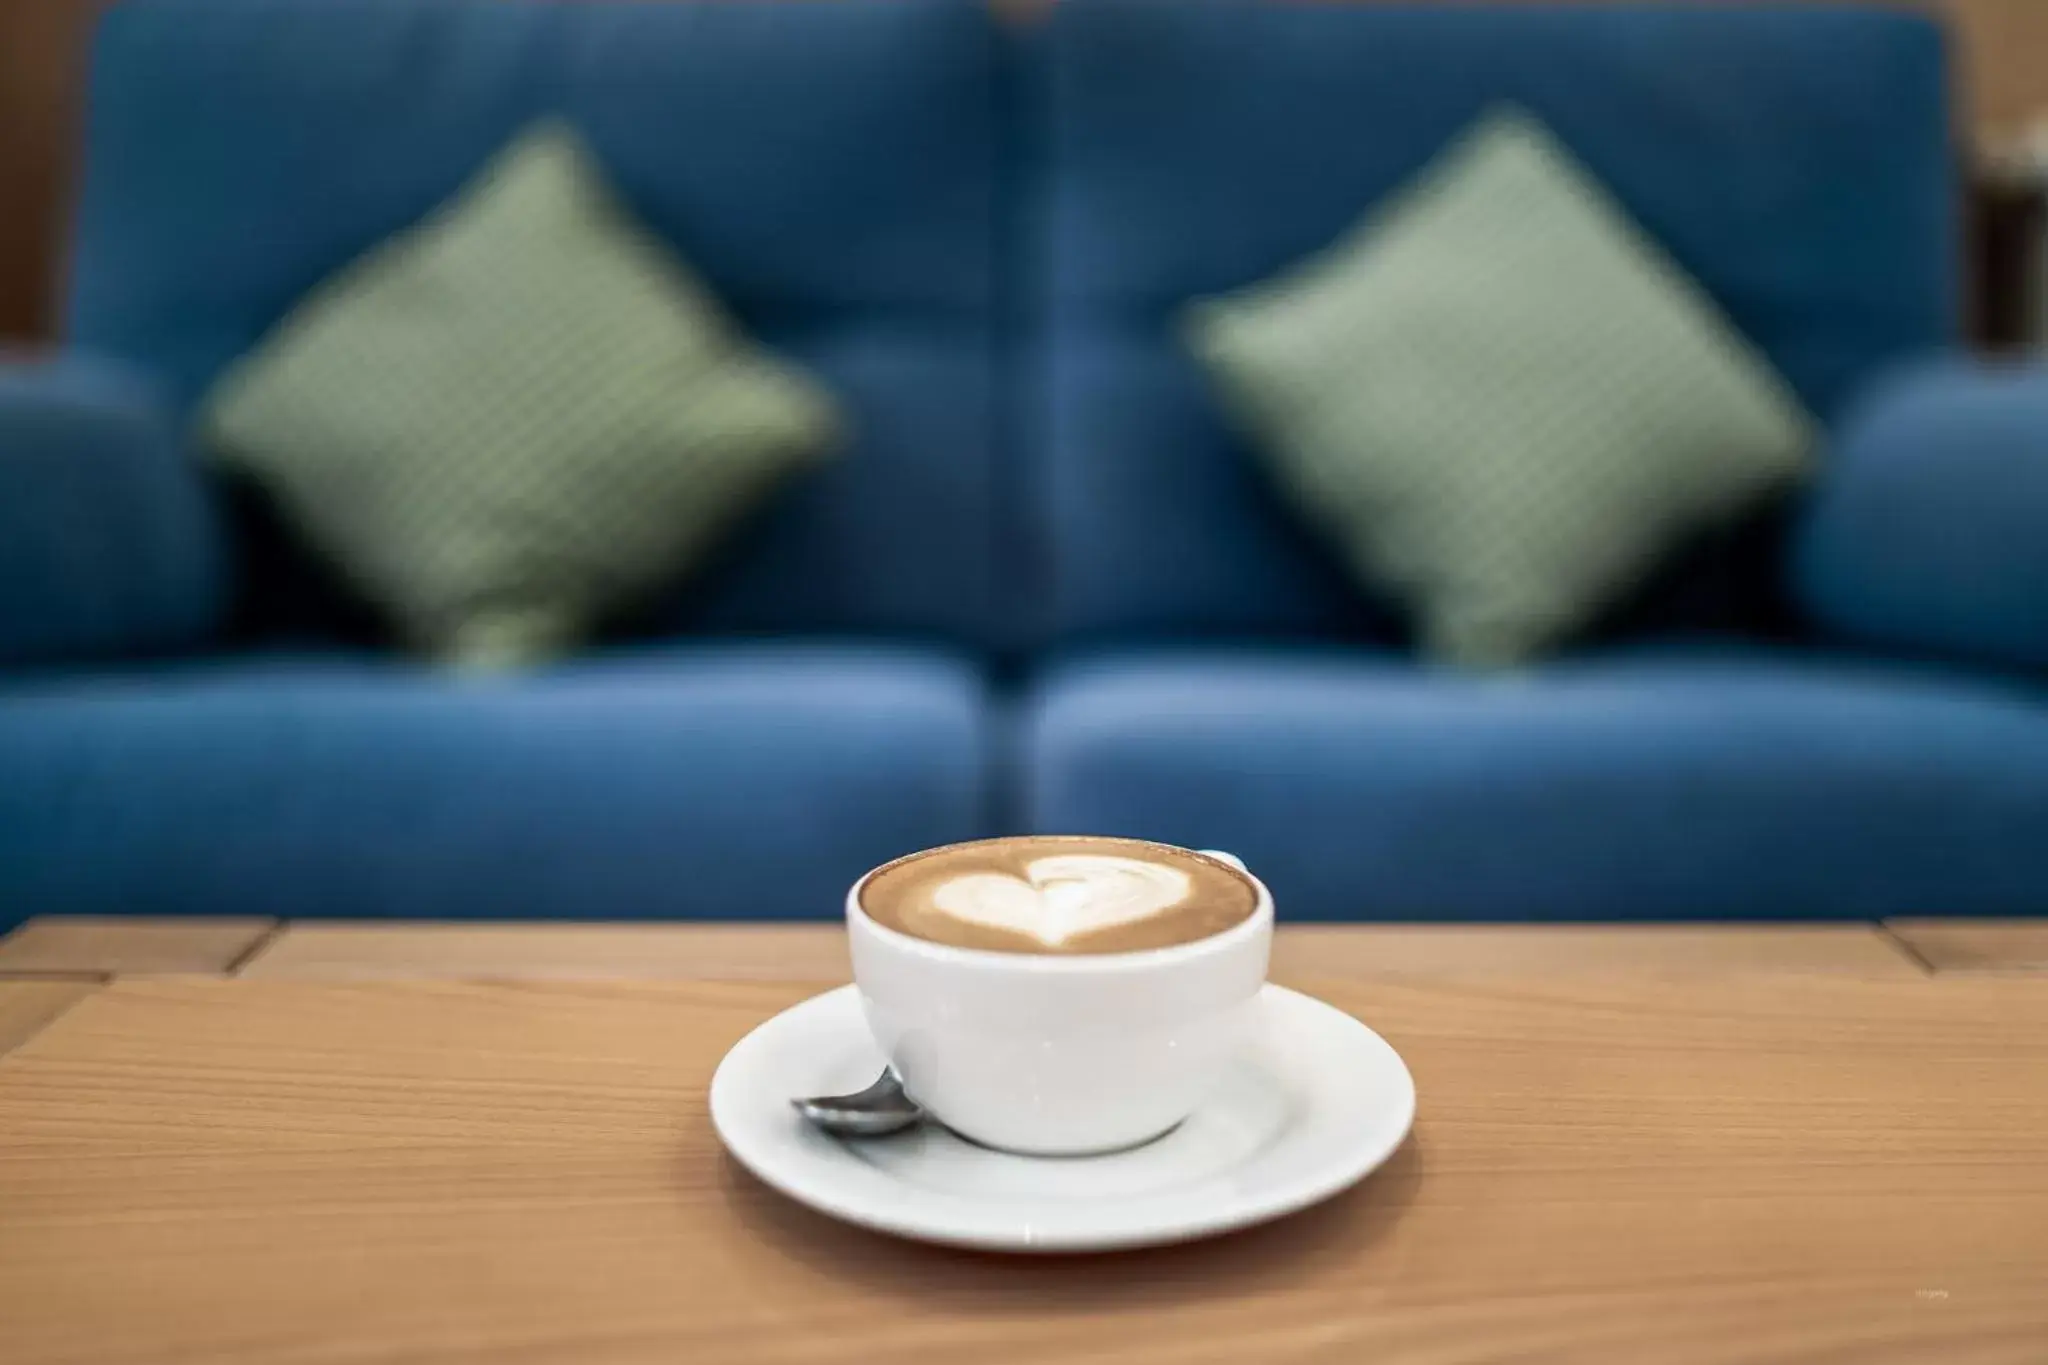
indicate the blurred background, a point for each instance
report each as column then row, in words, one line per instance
column 645, row 461
column 2003, row 46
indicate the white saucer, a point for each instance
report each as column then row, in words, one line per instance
column 1314, row 1106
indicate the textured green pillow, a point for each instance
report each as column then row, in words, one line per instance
column 1502, row 400
column 516, row 416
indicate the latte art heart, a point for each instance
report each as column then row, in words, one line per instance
column 1064, row 896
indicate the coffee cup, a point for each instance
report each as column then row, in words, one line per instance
column 1070, row 1043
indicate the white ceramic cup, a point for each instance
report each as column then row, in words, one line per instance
column 1053, row 1054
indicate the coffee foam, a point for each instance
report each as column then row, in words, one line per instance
column 1058, row 894
column 1064, row 896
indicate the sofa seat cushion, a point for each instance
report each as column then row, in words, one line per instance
column 741, row 782
column 1664, row 785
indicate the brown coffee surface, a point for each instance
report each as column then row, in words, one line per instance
column 901, row 895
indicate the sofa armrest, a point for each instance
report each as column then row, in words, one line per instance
column 1929, row 528
column 110, row 541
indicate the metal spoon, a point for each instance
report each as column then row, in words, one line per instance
column 880, row 1109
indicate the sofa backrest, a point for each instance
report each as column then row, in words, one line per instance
column 1795, row 160
column 828, row 165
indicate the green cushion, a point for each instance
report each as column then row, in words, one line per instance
column 1501, row 399
column 515, row 417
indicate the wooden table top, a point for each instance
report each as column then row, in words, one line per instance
column 817, row 952
column 1623, row 1153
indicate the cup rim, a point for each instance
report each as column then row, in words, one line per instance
column 1135, row 959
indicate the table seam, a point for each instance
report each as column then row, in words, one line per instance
column 1906, row 949
column 255, row 948
column 8, row 1049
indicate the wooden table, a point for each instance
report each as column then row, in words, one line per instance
column 376, row 1144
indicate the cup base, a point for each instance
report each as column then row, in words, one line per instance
column 1062, row 1153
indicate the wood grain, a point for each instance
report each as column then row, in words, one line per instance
column 26, row 1006
column 1304, row 950
column 761, row 952
column 42, row 81
column 817, row 952
column 1976, row 945
column 108, row 946
column 1820, row 1168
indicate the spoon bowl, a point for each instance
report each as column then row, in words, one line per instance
column 877, row 1111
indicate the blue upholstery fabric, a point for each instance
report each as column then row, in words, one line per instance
column 708, row 782
column 1794, row 160
column 1929, row 530
column 842, row 171
column 827, row 167
column 109, row 542
column 1658, row 787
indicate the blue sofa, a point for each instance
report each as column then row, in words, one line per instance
column 1046, row 587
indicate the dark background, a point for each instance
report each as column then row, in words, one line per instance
column 2001, row 47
